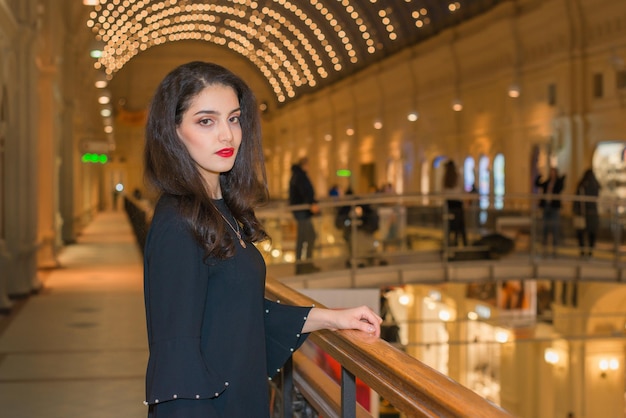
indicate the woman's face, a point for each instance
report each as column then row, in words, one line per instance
column 210, row 130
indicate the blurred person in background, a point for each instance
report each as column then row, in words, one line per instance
column 301, row 192
column 456, row 212
column 550, row 203
column 587, row 212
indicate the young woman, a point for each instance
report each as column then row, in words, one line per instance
column 214, row 339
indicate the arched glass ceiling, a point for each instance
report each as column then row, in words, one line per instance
column 297, row 45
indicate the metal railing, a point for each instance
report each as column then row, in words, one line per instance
column 418, row 229
column 413, row 388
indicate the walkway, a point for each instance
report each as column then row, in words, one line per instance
column 78, row 348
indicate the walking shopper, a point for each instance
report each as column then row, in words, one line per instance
column 551, row 205
column 586, row 218
column 301, row 192
column 456, row 211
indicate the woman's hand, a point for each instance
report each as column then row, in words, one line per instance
column 361, row 318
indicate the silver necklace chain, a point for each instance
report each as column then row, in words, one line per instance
column 236, row 231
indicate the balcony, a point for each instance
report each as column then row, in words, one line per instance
column 409, row 247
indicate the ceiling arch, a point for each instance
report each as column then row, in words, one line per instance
column 297, row 46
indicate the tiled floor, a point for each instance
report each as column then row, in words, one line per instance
column 78, row 348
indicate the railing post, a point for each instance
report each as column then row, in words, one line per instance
column 445, row 218
column 534, row 226
column 353, row 245
column 348, row 394
column 287, row 389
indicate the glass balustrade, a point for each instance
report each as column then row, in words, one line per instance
column 418, row 228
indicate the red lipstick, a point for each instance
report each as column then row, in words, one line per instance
column 226, row 152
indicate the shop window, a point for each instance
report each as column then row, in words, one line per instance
column 437, row 180
column 435, row 337
column 484, row 181
column 469, row 176
column 498, row 181
column 598, row 85
column 425, row 178
column 609, row 166
column 483, row 360
column 395, row 177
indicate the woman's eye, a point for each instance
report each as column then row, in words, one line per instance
column 235, row 119
column 205, row 121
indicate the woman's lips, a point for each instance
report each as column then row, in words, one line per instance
column 226, row 152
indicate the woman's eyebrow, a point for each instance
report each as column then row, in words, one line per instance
column 215, row 112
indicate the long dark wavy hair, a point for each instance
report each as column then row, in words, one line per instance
column 170, row 169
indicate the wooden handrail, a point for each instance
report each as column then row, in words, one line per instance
column 409, row 385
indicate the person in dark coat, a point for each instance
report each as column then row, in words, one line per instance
column 301, row 192
column 213, row 338
column 455, row 208
column 551, row 205
column 587, row 186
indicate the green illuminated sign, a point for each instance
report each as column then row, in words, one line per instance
column 94, row 158
column 344, row 173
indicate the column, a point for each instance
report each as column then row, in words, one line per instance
column 22, row 166
column 8, row 27
column 47, row 169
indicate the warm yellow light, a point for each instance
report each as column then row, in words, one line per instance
column 551, row 356
column 608, row 364
column 444, row 315
column 404, row 300
column 289, row 257
column 502, row 336
column 514, row 91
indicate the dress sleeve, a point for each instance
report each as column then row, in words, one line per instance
column 175, row 287
column 283, row 333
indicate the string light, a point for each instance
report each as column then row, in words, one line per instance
column 292, row 46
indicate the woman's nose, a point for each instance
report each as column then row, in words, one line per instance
column 226, row 133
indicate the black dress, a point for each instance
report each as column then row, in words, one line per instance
column 214, row 340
